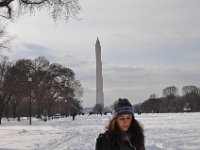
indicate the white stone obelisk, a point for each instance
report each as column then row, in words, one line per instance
column 99, row 77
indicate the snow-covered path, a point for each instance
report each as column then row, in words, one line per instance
column 162, row 132
column 77, row 135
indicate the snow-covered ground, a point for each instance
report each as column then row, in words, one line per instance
column 180, row 131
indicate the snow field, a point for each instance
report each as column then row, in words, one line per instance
column 170, row 131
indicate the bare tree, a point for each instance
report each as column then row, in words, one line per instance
column 57, row 8
column 192, row 97
column 41, row 65
column 6, row 87
column 67, row 86
column 190, row 89
column 170, row 91
column 20, row 91
column 55, row 84
column 5, row 39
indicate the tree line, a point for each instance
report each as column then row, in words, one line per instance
column 171, row 101
column 51, row 88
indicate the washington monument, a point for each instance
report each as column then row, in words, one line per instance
column 99, row 78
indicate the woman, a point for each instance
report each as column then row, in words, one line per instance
column 123, row 132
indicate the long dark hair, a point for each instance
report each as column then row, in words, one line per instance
column 135, row 132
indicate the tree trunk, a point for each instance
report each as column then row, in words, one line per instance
column 14, row 110
column 0, row 117
column 38, row 110
column 18, row 113
column 49, row 111
column 1, row 112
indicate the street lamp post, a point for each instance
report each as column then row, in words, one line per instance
column 30, row 113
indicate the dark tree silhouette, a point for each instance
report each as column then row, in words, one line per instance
column 52, row 86
column 170, row 91
column 6, row 81
column 57, row 8
column 190, row 89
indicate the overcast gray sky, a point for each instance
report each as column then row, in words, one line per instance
column 147, row 45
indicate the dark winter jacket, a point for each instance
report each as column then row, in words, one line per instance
column 116, row 139
column 104, row 142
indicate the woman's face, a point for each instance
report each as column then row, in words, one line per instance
column 124, row 121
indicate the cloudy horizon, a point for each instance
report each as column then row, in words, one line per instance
column 146, row 45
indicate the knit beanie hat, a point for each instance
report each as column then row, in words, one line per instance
column 121, row 107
